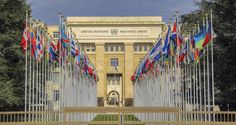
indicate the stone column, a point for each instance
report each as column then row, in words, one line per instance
column 101, row 87
column 128, row 68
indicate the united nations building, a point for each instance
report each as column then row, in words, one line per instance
column 115, row 45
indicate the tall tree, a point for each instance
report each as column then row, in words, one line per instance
column 12, row 17
column 224, row 23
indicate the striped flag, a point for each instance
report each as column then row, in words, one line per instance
column 24, row 39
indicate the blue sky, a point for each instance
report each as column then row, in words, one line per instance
column 47, row 10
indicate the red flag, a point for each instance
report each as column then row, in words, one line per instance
column 24, row 40
column 208, row 37
column 196, row 55
column 33, row 45
column 174, row 27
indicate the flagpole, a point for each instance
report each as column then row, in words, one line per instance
column 59, row 60
column 208, row 85
column 42, row 77
column 37, row 71
column 197, row 77
column 212, row 66
column 30, row 68
column 33, row 86
column 194, row 81
column 45, row 71
column 26, row 67
column 177, row 70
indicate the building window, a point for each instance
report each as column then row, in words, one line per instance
column 109, row 80
column 87, row 48
column 140, row 48
column 56, row 94
column 93, row 48
column 117, row 48
column 117, row 79
column 114, row 79
column 114, row 62
column 135, row 48
column 114, row 47
column 122, row 48
column 145, row 47
column 111, row 48
column 55, row 34
column 106, row 48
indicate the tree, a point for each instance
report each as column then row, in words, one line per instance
column 224, row 23
column 12, row 17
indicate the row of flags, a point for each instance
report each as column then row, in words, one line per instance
column 174, row 48
column 64, row 51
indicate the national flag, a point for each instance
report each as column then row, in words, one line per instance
column 52, row 51
column 196, row 56
column 39, row 43
column 174, row 36
column 78, row 58
column 183, row 52
column 208, row 35
column 74, row 48
column 180, row 40
column 33, row 45
column 24, row 39
column 167, row 42
column 199, row 39
column 132, row 78
column 151, row 57
column 156, row 49
column 64, row 37
column 52, row 55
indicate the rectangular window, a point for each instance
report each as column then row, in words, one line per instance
column 114, row 62
column 56, row 94
column 117, row 48
column 140, row 48
column 109, row 80
column 55, row 34
column 135, row 48
column 122, row 48
column 106, row 48
column 145, row 47
column 82, row 46
column 111, row 48
column 93, row 48
column 87, row 48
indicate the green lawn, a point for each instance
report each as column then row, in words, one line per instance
column 113, row 117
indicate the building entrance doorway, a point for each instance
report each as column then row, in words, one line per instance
column 113, row 98
column 114, row 90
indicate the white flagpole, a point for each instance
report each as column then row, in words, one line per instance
column 212, row 66
column 33, row 88
column 60, row 66
column 26, row 64
column 204, row 77
column 178, row 66
column 197, row 77
column 194, row 82
column 208, row 85
column 37, row 75
column 30, row 76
